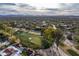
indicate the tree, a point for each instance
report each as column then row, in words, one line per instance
column 58, row 36
column 52, row 35
column 2, row 27
column 48, row 36
column 14, row 39
column 48, row 32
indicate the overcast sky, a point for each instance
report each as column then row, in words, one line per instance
column 37, row 3
column 39, row 8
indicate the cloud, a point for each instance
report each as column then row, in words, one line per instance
column 23, row 9
column 69, row 5
column 26, row 9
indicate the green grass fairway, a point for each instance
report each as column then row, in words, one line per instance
column 29, row 40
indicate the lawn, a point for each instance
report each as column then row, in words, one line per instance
column 76, row 37
column 72, row 52
column 77, row 47
column 29, row 40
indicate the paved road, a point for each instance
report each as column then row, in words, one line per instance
column 71, row 45
column 59, row 51
column 56, row 51
column 52, row 51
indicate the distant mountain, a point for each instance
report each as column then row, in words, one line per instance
column 7, row 4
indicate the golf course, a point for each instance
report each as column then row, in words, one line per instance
column 29, row 40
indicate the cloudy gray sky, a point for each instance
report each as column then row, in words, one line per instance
column 42, row 9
